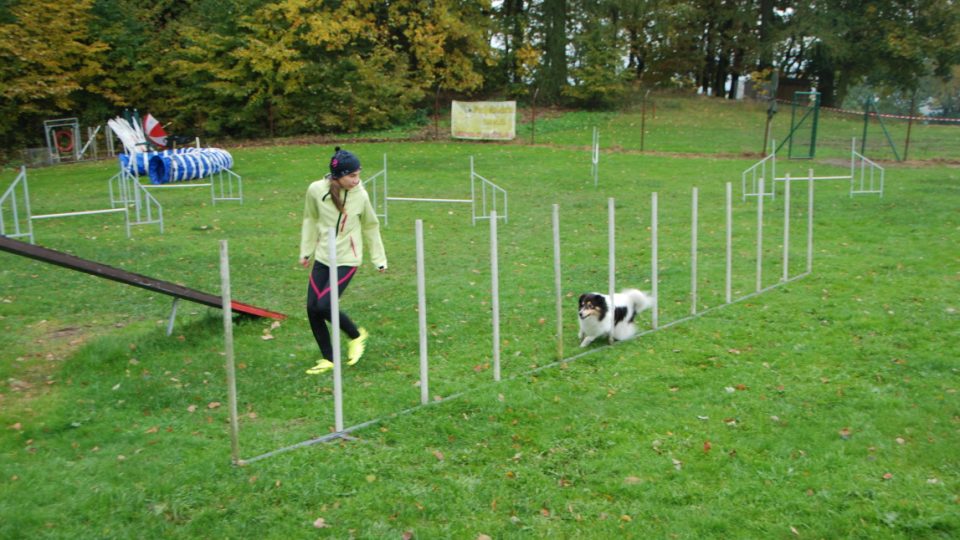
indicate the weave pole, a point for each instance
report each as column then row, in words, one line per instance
column 693, row 254
column 228, row 349
column 654, row 268
column 729, row 230
column 335, row 333
column 611, row 261
column 810, row 221
column 422, row 315
column 786, row 228
column 556, row 279
column 595, row 157
column 495, row 295
column 760, row 238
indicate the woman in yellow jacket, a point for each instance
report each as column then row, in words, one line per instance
column 339, row 201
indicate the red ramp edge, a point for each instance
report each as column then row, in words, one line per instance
column 65, row 260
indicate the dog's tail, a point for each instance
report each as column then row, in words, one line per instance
column 641, row 301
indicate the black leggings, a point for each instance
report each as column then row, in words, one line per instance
column 318, row 305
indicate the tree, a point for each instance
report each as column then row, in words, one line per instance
column 49, row 62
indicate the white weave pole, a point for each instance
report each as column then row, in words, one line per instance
column 228, row 349
column 729, row 211
column 495, row 295
column 422, row 316
column 556, row 279
column 611, row 261
column 760, row 238
column 693, row 254
column 335, row 330
column 654, row 268
column 786, row 228
column 595, row 156
column 810, row 221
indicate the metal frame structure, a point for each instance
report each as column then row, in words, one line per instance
column 50, row 127
column 18, row 200
column 490, row 203
column 866, row 176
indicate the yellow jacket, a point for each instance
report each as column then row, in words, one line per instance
column 356, row 226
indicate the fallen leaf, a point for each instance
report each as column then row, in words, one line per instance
column 213, row 404
column 632, row 480
column 154, row 429
column 707, row 446
column 677, row 464
column 192, row 408
column 887, row 476
column 438, row 454
column 482, row 536
column 275, row 325
column 371, row 478
column 900, row 440
column 16, row 427
column 266, row 337
column 545, row 512
column 320, row 523
column 844, row 433
column 794, row 531
column 626, row 518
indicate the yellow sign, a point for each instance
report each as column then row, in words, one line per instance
column 483, row 120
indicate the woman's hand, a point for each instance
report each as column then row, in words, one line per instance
column 305, row 262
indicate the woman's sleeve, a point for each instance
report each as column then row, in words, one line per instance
column 371, row 234
column 309, row 229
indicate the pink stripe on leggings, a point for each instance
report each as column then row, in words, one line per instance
column 325, row 291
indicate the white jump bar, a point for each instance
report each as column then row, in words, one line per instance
column 84, row 213
column 429, row 200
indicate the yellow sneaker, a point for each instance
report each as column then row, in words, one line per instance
column 322, row 366
column 355, row 347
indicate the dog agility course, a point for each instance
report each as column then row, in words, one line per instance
column 762, row 286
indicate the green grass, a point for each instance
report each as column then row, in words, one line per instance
column 829, row 403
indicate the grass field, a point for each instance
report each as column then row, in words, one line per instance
column 826, row 407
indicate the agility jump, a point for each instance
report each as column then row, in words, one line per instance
column 489, row 202
column 866, row 176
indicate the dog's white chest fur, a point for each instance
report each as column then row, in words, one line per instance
column 599, row 317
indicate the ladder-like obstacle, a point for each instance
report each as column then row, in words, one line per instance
column 866, row 176
column 487, row 200
column 15, row 209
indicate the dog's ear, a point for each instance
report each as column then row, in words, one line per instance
column 583, row 297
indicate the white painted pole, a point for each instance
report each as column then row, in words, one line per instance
column 595, row 157
column 612, row 256
column 422, row 316
column 693, row 254
column 495, row 295
column 810, row 221
column 473, row 195
column 335, row 330
column 556, row 279
column 786, row 228
column 760, row 237
column 729, row 265
column 228, row 349
column 654, row 268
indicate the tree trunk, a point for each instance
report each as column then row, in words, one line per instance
column 555, row 55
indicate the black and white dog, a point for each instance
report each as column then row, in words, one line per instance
column 597, row 319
